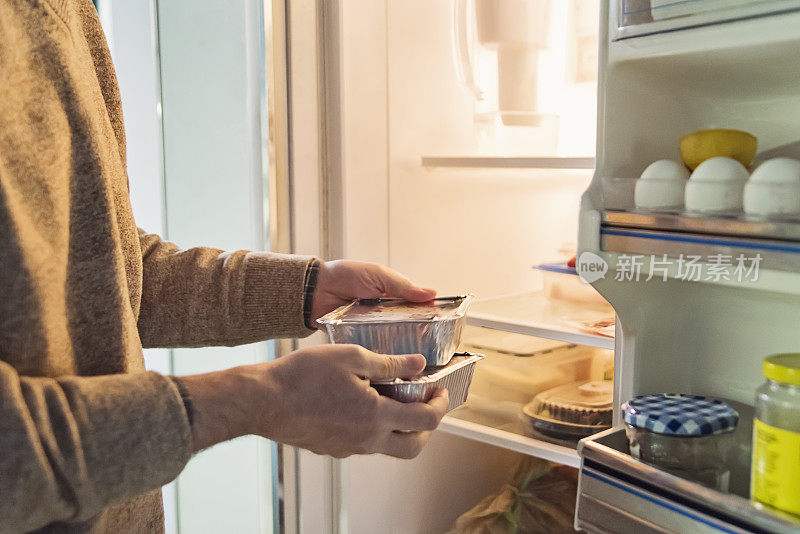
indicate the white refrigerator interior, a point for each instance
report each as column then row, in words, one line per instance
column 454, row 193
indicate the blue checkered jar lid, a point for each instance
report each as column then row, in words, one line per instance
column 678, row 414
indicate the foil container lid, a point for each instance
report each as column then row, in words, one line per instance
column 378, row 311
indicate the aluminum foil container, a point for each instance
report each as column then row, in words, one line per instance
column 396, row 326
column 455, row 377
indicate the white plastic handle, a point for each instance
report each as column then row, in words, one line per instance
column 461, row 55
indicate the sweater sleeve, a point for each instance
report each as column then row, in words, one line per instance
column 74, row 445
column 205, row 296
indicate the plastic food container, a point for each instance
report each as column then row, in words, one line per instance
column 563, row 283
column 572, row 411
column 455, row 377
column 395, row 326
column 776, row 435
column 688, row 435
column 519, row 367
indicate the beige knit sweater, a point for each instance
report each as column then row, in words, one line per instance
column 87, row 437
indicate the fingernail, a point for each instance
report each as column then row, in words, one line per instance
column 419, row 360
column 415, row 362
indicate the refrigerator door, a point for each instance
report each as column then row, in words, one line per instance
column 190, row 76
column 646, row 17
column 703, row 334
column 619, row 494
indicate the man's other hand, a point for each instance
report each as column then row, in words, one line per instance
column 318, row 399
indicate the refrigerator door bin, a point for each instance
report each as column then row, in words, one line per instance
column 774, row 245
column 618, row 193
column 645, row 17
column 617, row 493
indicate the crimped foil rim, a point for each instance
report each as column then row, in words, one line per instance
column 335, row 319
column 566, row 425
column 441, row 373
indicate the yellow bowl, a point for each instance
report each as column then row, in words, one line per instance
column 705, row 144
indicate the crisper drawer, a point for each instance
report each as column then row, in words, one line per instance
column 619, row 494
column 635, row 18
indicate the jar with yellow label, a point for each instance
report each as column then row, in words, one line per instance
column 775, row 479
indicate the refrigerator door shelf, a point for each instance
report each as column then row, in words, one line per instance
column 741, row 226
column 637, row 18
column 617, row 493
column 776, row 244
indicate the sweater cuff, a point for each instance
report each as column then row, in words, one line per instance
column 274, row 296
column 309, row 289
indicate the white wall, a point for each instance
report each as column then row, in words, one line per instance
column 465, row 230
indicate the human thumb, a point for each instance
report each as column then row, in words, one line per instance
column 387, row 366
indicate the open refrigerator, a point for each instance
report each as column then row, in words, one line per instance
column 407, row 149
column 667, row 71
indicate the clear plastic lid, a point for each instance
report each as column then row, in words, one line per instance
column 510, row 343
column 587, row 403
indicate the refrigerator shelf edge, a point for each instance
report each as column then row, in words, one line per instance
column 617, row 491
column 702, row 18
column 532, row 314
column 509, row 440
column 787, row 230
column 776, row 244
column 509, row 162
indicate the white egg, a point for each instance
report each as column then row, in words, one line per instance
column 716, row 186
column 774, row 188
column 720, row 170
column 666, row 169
column 777, row 171
column 661, row 185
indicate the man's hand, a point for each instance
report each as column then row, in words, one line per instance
column 318, row 399
column 341, row 281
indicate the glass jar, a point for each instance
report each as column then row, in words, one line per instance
column 687, row 435
column 775, row 474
